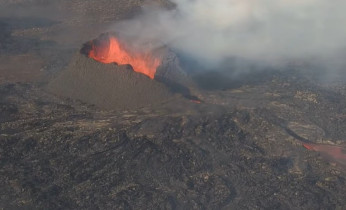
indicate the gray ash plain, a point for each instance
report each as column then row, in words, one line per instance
column 239, row 149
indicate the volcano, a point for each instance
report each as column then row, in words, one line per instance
column 245, row 138
column 109, row 74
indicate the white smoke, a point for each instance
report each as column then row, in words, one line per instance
column 261, row 30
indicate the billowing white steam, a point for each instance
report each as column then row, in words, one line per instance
column 260, row 30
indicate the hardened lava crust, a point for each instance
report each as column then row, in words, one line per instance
column 79, row 134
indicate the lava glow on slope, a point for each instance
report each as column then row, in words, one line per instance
column 108, row 49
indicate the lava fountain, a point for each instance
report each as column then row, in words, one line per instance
column 109, row 49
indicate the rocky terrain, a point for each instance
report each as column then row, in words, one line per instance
column 241, row 148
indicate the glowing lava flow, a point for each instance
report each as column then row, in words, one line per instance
column 110, row 50
column 332, row 152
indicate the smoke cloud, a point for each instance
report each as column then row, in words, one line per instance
column 266, row 31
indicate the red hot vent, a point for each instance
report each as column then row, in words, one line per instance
column 107, row 48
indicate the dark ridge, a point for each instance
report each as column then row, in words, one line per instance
column 86, row 48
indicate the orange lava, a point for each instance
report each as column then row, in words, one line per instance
column 111, row 50
column 196, row 101
column 333, row 152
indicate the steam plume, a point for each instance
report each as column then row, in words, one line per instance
column 269, row 31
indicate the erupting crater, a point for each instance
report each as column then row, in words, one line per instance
column 155, row 75
column 107, row 48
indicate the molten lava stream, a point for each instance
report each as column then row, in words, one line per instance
column 112, row 51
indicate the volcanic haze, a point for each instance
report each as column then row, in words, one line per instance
column 264, row 31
